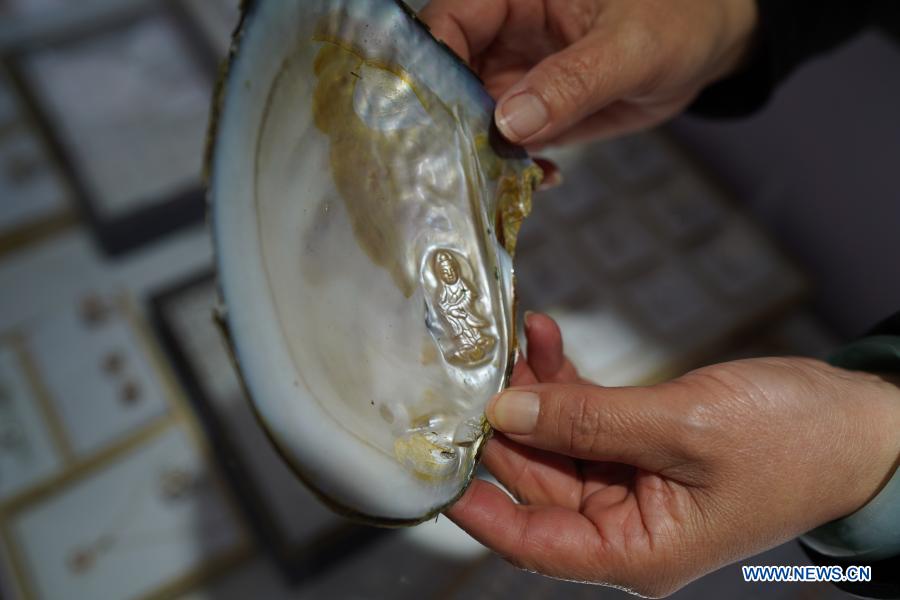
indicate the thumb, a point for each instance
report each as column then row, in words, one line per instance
column 567, row 87
column 643, row 427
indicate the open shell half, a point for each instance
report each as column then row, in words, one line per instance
column 365, row 215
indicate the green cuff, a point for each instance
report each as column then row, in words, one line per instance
column 874, row 354
column 872, row 532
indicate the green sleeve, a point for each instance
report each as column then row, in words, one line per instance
column 872, row 532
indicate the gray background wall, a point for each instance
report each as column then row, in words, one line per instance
column 820, row 167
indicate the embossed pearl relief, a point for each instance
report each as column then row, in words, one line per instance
column 456, row 303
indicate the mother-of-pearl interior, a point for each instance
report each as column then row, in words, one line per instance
column 364, row 226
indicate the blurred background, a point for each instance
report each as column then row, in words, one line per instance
column 130, row 464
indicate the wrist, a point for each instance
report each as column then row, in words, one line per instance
column 872, row 530
column 870, row 533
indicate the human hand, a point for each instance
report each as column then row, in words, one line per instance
column 649, row 488
column 568, row 70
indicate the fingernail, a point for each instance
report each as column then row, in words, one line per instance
column 514, row 412
column 522, row 116
column 552, row 175
column 528, row 315
column 551, row 181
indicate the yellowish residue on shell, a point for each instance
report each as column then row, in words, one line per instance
column 426, row 456
column 429, row 351
column 374, row 169
column 515, row 191
column 514, row 206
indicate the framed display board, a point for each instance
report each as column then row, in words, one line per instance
column 124, row 103
column 29, row 447
column 107, row 485
column 149, row 520
column 36, row 197
column 646, row 263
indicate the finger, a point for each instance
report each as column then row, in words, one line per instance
column 497, row 83
column 545, row 346
column 616, row 120
column 545, row 350
column 644, row 427
column 552, row 540
column 467, row 27
column 522, row 373
column 571, row 85
column 552, row 178
column 545, row 478
column 601, row 476
column 534, row 476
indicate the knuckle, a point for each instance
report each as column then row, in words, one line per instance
column 717, row 382
column 570, row 83
column 643, row 47
column 715, row 397
column 654, row 44
column 578, row 423
column 641, row 39
column 575, row 18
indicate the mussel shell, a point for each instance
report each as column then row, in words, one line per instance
column 364, row 212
